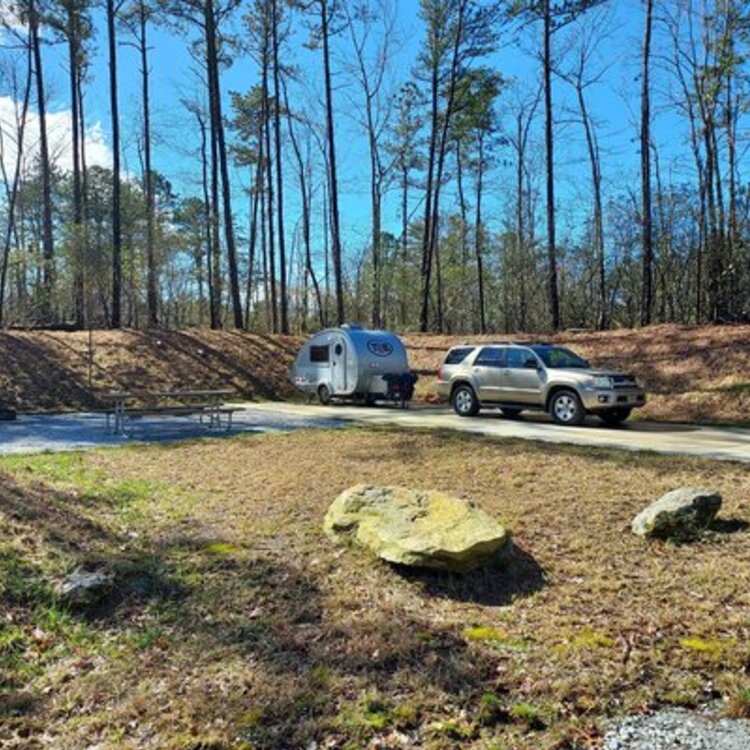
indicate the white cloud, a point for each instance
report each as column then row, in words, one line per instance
column 59, row 137
column 8, row 18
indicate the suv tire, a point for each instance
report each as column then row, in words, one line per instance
column 464, row 401
column 324, row 394
column 615, row 416
column 566, row 408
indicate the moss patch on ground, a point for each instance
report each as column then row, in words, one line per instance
column 237, row 624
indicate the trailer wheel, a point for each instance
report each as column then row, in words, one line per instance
column 324, row 394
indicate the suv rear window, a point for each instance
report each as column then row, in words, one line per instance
column 456, row 356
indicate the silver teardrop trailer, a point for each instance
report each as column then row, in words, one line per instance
column 355, row 364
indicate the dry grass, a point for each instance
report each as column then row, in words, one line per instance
column 238, row 625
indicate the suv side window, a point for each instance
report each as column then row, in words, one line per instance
column 491, row 356
column 517, row 358
column 456, row 356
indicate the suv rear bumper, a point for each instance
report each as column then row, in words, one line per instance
column 613, row 398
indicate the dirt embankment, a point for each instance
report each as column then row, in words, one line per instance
column 691, row 373
column 50, row 370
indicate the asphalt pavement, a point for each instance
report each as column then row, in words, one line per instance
column 78, row 431
column 728, row 443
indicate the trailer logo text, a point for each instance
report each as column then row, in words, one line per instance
column 380, row 348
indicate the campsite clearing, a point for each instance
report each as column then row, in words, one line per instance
column 235, row 622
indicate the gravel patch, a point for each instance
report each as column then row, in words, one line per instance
column 678, row 729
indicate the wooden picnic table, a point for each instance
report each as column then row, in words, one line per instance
column 208, row 402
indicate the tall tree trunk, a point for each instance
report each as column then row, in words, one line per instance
column 647, row 293
column 266, row 119
column 152, row 294
column 305, row 198
column 256, row 195
column 479, row 237
column 116, row 320
column 84, row 199
column 428, row 216
column 218, row 128
column 13, row 193
column 216, row 282
column 279, row 180
column 48, row 243
column 333, row 175
column 552, row 285
column 433, row 238
column 207, row 222
column 404, row 239
column 596, row 182
column 79, row 290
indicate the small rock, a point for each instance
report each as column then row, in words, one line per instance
column 418, row 528
column 82, row 588
column 683, row 513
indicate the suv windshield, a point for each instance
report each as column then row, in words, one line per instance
column 557, row 356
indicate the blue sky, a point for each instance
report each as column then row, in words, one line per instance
column 614, row 103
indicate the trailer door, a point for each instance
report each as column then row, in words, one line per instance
column 338, row 365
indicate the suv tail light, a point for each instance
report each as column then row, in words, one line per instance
column 440, row 372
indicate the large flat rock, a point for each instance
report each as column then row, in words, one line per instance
column 419, row 528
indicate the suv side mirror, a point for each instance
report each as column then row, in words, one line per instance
column 531, row 364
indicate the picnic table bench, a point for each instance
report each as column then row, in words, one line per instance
column 206, row 403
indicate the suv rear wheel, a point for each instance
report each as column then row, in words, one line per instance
column 464, row 401
column 615, row 416
column 566, row 408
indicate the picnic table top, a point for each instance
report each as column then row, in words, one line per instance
column 127, row 395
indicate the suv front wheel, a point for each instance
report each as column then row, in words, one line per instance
column 464, row 401
column 566, row 408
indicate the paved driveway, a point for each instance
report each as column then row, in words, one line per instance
column 729, row 443
column 63, row 432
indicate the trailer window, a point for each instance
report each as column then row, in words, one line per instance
column 319, row 354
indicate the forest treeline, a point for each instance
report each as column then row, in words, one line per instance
column 467, row 158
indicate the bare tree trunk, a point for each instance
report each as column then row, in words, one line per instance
column 279, row 181
column 428, row 216
column 116, row 320
column 217, row 126
column 266, row 119
column 13, row 193
column 152, row 294
column 48, row 243
column 305, row 198
column 479, row 237
column 404, row 239
column 333, row 176
column 256, row 197
column 596, row 181
column 216, row 279
column 79, row 291
column 552, row 285
column 646, row 221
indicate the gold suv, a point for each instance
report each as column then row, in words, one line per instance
column 538, row 376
